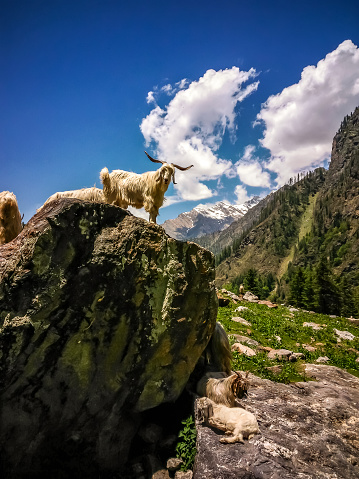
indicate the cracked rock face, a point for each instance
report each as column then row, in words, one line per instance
column 102, row 316
column 308, row 430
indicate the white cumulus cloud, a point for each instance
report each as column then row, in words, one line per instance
column 150, row 97
column 300, row 122
column 241, row 194
column 190, row 129
column 167, row 89
column 250, row 171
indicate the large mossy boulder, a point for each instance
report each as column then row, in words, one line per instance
column 102, row 316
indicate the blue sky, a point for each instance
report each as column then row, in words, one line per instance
column 249, row 92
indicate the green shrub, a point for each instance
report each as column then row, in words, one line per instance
column 186, row 448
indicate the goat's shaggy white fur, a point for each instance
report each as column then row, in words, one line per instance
column 223, row 389
column 10, row 218
column 123, row 188
column 147, row 190
column 89, row 194
column 236, row 422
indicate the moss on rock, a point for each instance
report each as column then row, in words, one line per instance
column 102, row 315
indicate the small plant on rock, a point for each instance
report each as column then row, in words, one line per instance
column 186, row 448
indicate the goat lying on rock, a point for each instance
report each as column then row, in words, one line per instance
column 237, row 423
column 124, row 188
column 89, row 194
column 10, row 218
column 222, row 389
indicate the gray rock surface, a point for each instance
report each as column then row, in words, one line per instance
column 344, row 335
column 174, row 463
column 102, row 316
column 252, row 298
column 183, row 475
column 238, row 319
column 242, row 349
column 280, row 354
column 245, row 339
column 308, row 430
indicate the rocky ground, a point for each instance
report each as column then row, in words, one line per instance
column 308, row 430
column 308, row 412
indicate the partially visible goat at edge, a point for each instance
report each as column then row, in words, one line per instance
column 10, row 218
column 147, row 190
column 223, row 389
column 236, row 422
column 89, row 194
column 218, row 355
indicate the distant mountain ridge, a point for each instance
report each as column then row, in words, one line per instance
column 220, row 240
column 206, row 219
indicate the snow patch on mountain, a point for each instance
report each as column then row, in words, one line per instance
column 206, row 219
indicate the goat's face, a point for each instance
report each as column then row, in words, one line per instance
column 166, row 173
column 240, row 385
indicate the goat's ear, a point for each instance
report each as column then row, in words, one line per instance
column 173, row 177
column 158, row 175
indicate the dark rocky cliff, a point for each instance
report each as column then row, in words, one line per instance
column 102, row 316
column 345, row 143
column 341, row 189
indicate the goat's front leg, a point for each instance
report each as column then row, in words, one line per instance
column 237, row 436
column 232, row 439
column 153, row 218
column 214, row 422
column 152, row 210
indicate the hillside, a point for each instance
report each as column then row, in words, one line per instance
column 307, row 236
column 265, row 245
column 204, row 219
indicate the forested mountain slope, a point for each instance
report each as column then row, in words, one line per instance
column 306, row 239
column 266, row 245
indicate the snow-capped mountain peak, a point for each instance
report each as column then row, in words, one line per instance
column 206, row 219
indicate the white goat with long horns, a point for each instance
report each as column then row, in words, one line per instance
column 124, row 188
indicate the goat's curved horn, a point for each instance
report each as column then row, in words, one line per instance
column 181, row 167
column 152, row 159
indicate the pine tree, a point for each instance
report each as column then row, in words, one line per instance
column 347, row 300
column 326, row 294
column 308, row 291
column 296, row 286
column 250, row 281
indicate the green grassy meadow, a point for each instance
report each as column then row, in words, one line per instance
column 280, row 328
